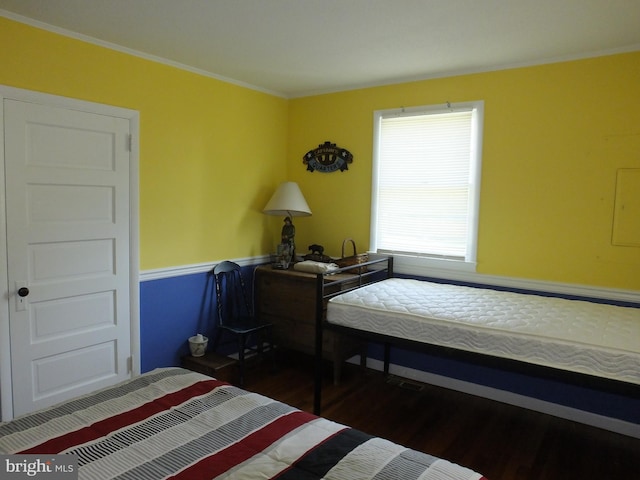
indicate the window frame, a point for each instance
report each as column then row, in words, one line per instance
column 424, row 264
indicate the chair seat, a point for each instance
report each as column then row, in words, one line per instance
column 244, row 325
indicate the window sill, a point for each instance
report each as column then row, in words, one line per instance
column 432, row 267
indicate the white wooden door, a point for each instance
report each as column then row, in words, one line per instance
column 67, row 210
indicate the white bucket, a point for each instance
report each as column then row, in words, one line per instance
column 198, row 345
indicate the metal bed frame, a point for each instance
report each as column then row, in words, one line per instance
column 380, row 268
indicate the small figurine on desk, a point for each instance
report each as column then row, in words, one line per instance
column 317, row 254
column 288, row 231
column 316, row 249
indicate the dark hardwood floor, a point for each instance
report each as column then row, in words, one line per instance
column 500, row 441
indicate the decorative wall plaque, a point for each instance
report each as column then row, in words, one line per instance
column 327, row 158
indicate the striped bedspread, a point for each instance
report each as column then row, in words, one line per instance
column 173, row 423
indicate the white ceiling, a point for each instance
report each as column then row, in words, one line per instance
column 300, row 47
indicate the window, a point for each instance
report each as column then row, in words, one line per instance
column 426, row 183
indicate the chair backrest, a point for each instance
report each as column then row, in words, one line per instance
column 232, row 301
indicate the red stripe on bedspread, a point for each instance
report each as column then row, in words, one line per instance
column 108, row 425
column 251, row 445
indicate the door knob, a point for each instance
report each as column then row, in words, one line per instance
column 23, row 291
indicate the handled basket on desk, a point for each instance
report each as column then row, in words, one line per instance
column 354, row 259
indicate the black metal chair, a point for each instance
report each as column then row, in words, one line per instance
column 235, row 315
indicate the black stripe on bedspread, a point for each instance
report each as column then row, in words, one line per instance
column 321, row 459
column 351, row 454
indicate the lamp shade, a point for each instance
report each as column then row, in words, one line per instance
column 287, row 200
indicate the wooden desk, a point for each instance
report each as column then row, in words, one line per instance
column 287, row 299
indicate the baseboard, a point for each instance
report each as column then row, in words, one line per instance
column 560, row 411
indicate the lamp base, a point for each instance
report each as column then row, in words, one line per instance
column 282, row 257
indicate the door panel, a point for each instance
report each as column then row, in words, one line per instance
column 70, row 316
column 57, row 261
column 68, row 242
column 65, row 373
column 53, row 145
column 66, row 205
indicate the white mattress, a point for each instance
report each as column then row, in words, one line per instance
column 579, row 336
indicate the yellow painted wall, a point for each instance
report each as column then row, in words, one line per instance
column 554, row 138
column 211, row 153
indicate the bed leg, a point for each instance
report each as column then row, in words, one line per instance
column 387, row 357
column 317, row 387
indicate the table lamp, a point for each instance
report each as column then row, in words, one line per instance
column 288, row 201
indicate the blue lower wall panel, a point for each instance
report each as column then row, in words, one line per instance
column 174, row 309
column 171, row 311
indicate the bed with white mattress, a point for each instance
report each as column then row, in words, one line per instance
column 589, row 343
column 578, row 336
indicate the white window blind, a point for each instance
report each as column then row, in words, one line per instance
column 426, row 183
